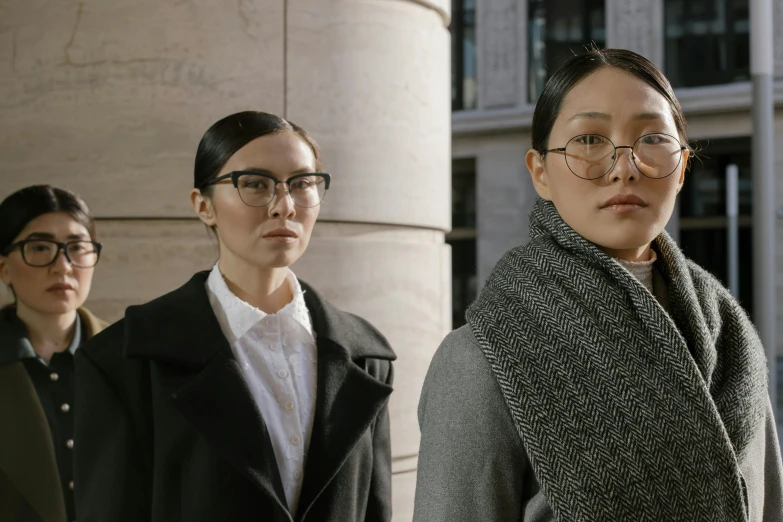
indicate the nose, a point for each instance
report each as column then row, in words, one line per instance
column 624, row 169
column 282, row 205
column 61, row 264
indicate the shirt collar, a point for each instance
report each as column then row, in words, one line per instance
column 14, row 342
column 241, row 316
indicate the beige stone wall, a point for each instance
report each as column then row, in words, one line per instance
column 109, row 99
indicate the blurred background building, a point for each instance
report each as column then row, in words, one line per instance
column 502, row 54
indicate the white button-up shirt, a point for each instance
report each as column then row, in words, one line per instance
column 277, row 355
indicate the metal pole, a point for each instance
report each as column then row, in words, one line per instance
column 732, row 228
column 761, row 69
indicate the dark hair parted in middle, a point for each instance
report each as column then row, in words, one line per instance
column 224, row 138
column 29, row 203
column 579, row 67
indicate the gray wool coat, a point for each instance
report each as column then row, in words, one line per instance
column 472, row 464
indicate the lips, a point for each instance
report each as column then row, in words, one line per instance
column 59, row 287
column 624, row 199
column 281, row 232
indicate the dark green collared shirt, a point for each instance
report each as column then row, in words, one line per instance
column 54, row 384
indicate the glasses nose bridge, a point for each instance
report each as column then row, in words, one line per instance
column 623, row 147
column 276, row 193
column 61, row 247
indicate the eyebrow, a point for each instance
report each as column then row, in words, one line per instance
column 595, row 115
column 46, row 235
column 303, row 170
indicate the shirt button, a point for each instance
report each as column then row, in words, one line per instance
column 65, row 408
column 69, row 444
column 273, row 346
column 53, row 376
column 282, row 374
column 289, row 405
column 298, row 475
column 70, row 485
column 295, row 440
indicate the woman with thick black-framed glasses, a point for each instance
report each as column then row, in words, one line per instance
column 47, row 256
column 244, row 395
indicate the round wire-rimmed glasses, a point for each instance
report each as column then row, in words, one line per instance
column 258, row 189
column 40, row 253
column 592, row 156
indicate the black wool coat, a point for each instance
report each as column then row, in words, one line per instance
column 168, row 430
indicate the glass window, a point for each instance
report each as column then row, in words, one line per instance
column 462, row 238
column 464, row 89
column 556, row 30
column 707, row 42
column 703, row 234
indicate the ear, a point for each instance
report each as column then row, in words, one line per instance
column 535, row 165
column 685, row 156
column 203, row 207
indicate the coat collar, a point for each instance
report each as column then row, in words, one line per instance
column 181, row 331
column 15, row 344
column 161, row 328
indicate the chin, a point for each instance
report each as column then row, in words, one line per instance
column 56, row 307
column 279, row 260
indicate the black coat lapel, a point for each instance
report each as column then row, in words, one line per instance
column 348, row 398
column 181, row 330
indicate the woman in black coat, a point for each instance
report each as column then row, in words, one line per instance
column 243, row 395
column 48, row 253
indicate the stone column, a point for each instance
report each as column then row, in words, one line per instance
column 636, row 25
column 502, row 53
column 371, row 81
column 109, row 99
column 778, row 40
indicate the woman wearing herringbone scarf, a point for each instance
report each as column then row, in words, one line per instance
column 602, row 376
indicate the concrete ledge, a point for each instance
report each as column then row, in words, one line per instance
column 718, row 99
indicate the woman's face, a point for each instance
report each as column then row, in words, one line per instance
column 621, row 107
column 55, row 289
column 252, row 234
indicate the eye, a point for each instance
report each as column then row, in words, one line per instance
column 301, row 184
column 590, row 139
column 255, row 182
column 656, row 139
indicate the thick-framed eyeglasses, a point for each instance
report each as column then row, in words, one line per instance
column 44, row 252
column 592, row 156
column 258, row 189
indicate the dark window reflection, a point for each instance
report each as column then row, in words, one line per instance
column 703, row 234
column 464, row 91
column 462, row 238
column 558, row 29
column 707, row 42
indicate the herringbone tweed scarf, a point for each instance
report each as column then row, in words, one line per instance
column 626, row 413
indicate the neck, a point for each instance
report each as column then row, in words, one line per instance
column 48, row 333
column 264, row 288
column 634, row 255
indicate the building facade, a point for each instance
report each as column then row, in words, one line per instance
column 504, row 51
